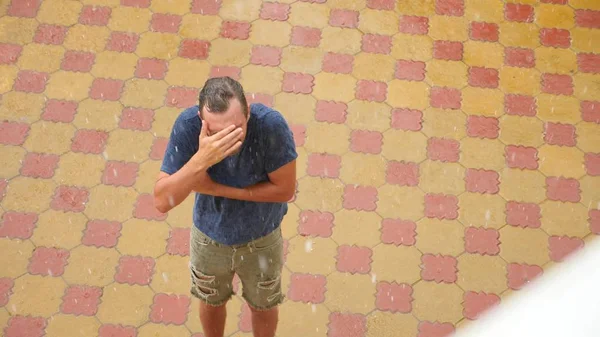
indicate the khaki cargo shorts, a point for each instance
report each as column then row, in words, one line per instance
column 258, row 264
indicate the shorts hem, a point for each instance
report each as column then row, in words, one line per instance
column 267, row 307
column 212, row 303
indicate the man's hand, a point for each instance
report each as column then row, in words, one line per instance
column 212, row 149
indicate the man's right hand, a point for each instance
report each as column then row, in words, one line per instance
column 212, row 149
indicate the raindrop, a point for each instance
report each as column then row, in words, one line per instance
column 487, row 215
column 314, row 309
column 373, row 278
column 165, row 277
column 262, row 263
column 308, row 246
column 171, row 201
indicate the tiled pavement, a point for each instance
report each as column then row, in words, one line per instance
column 449, row 153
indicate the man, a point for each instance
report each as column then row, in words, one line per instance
column 241, row 162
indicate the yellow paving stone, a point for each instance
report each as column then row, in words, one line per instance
column 482, row 210
column 178, row 7
column 301, row 59
column 49, row 137
column 483, row 54
column 379, row 324
column 562, row 109
column 448, row 28
column 289, row 224
column 21, row 107
column 143, row 237
column 4, row 315
column 412, row 47
column 334, row 87
column 444, row 123
column 201, row 27
column 518, row 34
column 396, row 263
column 130, row 19
column 234, row 307
column 364, row 115
column 144, row 93
column 114, row 310
column 8, row 74
column 588, row 137
column 484, row 102
column 407, row 94
column 481, row 273
column 180, row 68
column 338, row 135
column 240, row 11
column 517, row 130
column 17, row 30
column 59, row 12
column 86, row 38
column 146, row 177
column 520, row 80
column 59, row 229
column 110, row 64
column 79, row 169
column 296, row 108
column 66, row 85
column 28, row 194
column 584, row 4
column 36, row 295
column 309, row 15
column 12, row 157
column 565, row 218
column 342, row 294
column 530, row 2
column 270, row 33
column 3, row 10
column 522, row 185
column 110, row 3
column 164, row 118
column 555, row 60
column 363, row 169
column 320, row 194
column 437, row 302
column 436, row 236
column 311, row 255
column 439, row 177
column 524, row 245
column 378, row 22
column 488, row 11
column 181, row 216
column 154, row 329
column 583, row 40
column 356, row 228
column 259, row 79
column 590, row 192
column 41, row 57
column 171, row 275
column 404, row 146
column 559, row 161
column 158, row 45
column 554, row 16
column 340, row 40
column 444, row 73
column 482, row 153
column 301, row 162
column 587, row 86
column 15, row 257
column 139, row 146
column 229, row 52
column 297, row 318
column 416, row 7
column 63, row 325
column 110, row 203
column 375, row 67
column 98, row 115
column 92, row 266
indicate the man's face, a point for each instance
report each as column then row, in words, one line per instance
column 216, row 122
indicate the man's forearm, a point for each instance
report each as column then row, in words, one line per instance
column 261, row 192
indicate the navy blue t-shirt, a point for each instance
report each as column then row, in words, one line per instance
column 269, row 144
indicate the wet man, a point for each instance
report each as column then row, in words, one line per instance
column 240, row 160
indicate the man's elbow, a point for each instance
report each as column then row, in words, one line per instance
column 289, row 195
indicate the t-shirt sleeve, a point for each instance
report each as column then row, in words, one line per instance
column 280, row 146
column 180, row 147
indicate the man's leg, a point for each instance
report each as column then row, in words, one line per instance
column 213, row 319
column 264, row 322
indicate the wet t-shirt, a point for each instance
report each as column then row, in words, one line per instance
column 269, row 144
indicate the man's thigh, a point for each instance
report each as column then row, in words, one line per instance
column 260, row 272
column 211, row 270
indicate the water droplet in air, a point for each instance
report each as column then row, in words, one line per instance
column 308, row 246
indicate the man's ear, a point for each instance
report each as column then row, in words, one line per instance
column 248, row 116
